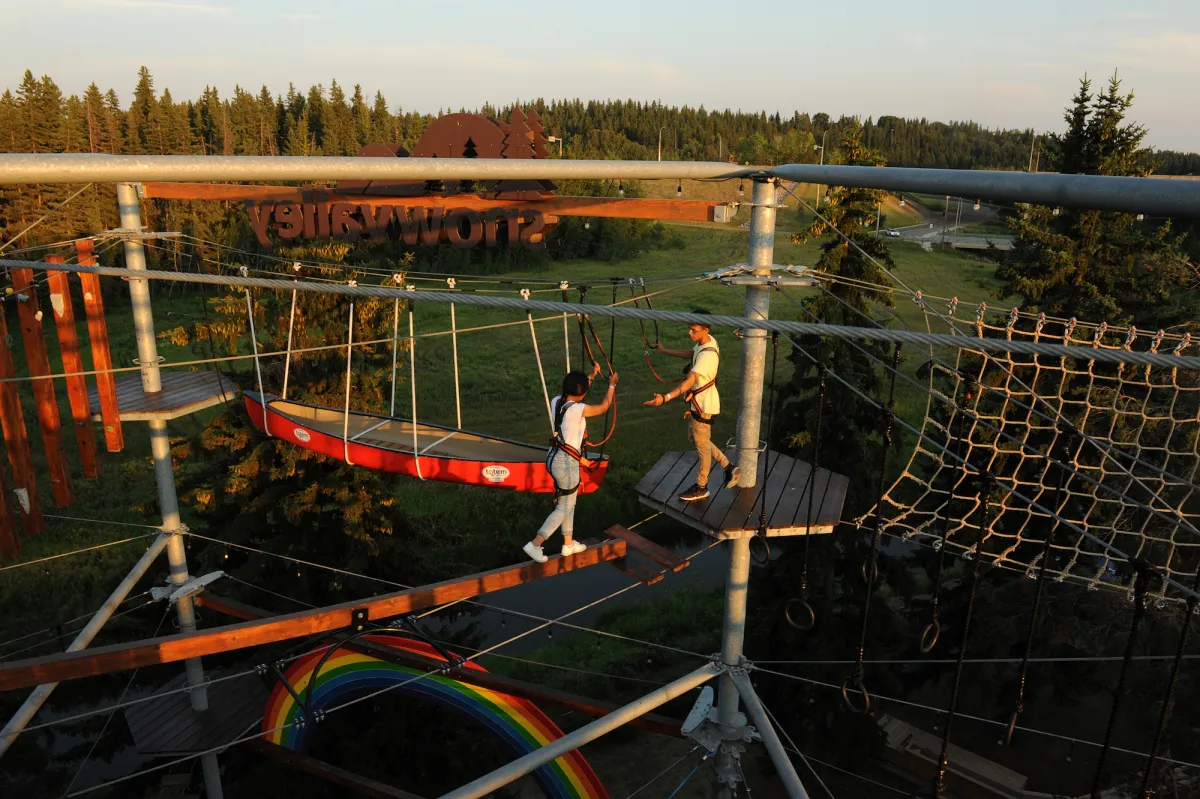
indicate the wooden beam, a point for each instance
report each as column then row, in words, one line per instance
column 330, row 773
column 652, row 551
column 496, row 682
column 16, row 441
column 72, row 361
column 609, row 207
column 106, row 381
column 34, row 339
column 173, row 648
column 10, row 538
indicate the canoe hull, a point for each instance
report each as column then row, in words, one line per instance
column 529, row 476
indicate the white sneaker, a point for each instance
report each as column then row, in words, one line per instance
column 534, row 553
column 574, row 549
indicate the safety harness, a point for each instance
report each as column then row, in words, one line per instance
column 557, row 442
column 690, row 397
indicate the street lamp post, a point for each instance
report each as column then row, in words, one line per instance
column 660, row 130
column 558, row 139
column 720, row 148
column 821, row 147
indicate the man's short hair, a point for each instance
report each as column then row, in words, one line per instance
column 703, row 312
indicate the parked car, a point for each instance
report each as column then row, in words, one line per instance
column 892, row 232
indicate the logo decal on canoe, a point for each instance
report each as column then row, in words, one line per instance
column 301, row 435
column 495, row 474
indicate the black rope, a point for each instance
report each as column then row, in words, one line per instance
column 761, row 533
column 1039, row 591
column 1169, row 696
column 932, row 630
column 584, row 355
column 1142, row 574
column 800, row 605
column 870, row 569
column 987, row 484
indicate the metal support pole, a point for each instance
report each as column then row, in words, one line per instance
column 40, row 694
column 754, row 360
column 586, row 734
column 762, row 722
column 164, row 473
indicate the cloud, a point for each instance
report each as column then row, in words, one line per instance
column 1164, row 50
column 164, row 5
column 303, row 17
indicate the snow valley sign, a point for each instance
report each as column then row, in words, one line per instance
column 463, row 213
column 380, row 221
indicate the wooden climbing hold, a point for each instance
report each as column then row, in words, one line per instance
column 106, row 383
column 34, row 339
column 72, row 361
column 16, row 442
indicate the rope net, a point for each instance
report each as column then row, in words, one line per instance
column 1121, row 440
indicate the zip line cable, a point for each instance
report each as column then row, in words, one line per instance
column 78, row 551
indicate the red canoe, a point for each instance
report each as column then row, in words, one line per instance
column 386, row 444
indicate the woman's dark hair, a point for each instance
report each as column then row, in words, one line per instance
column 574, row 384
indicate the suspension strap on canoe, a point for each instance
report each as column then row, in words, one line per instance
column 412, row 361
column 254, row 347
column 395, row 347
column 563, row 286
column 287, row 361
column 451, row 282
column 346, row 410
column 537, row 356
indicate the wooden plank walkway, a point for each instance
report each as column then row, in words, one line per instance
column 785, row 482
column 167, row 725
column 182, row 393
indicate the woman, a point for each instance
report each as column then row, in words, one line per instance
column 566, row 456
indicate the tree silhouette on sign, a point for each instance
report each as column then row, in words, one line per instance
column 518, row 138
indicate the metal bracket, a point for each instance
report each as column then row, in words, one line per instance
column 359, row 618
column 174, row 593
column 771, row 281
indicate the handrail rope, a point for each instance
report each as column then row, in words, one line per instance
column 933, row 630
column 987, row 485
column 1038, row 592
column 610, row 427
column 969, row 717
column 1169, row 515
column 454, row 353
column 761, row 532
column 849, row 773
column 784, row 326
column 815, row 466
column 287, row 361
column 395, row 347
column 870, row 568
column 1140, row 588
column 346, row 410
column 537, row 356
column 257, row 368
column 412, row 361
column 113, row 712
column 1169, row 695
column 566, row 335
column 85, row 549
column 1033, row 503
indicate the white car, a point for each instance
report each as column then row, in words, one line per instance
column 892, row 233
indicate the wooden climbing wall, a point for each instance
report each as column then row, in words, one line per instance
column 106, row 382
column 16, row 441
column 72, row 361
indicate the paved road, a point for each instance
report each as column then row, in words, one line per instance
column 938, row 226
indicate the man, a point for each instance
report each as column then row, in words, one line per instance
column 699, row 391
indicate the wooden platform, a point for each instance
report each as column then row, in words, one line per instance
column 182, row 393
column 168, row 725
column 735, row 513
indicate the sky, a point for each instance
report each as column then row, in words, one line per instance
column 1013, row 64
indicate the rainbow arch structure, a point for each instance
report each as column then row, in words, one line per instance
column 516, row 721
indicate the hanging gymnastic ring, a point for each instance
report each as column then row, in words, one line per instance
column 803, row 609
column 872, row 575
column 1012, row 727
column 862, row 689
column 928, row 643
column 765, row 549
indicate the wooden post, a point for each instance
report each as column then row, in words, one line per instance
column 16, row 441
column 43, row 386
column 72, row 361
column 10, row 540
column 106, row 382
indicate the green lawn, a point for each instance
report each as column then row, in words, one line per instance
column 501, row 395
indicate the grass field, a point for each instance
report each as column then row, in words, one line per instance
column 501, row 395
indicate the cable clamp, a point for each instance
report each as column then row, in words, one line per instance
column 525, row 294
column 451, row 282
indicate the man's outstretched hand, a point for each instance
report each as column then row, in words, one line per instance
column 659, row 399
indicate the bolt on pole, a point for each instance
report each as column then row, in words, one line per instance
column 160, row 449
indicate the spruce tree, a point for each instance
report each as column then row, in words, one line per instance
column 1099, row 266
column 138, row 132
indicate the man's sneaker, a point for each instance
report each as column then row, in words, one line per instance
column 534, row 553
column 696, row 492
column 732, row 475
column 574, row 548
